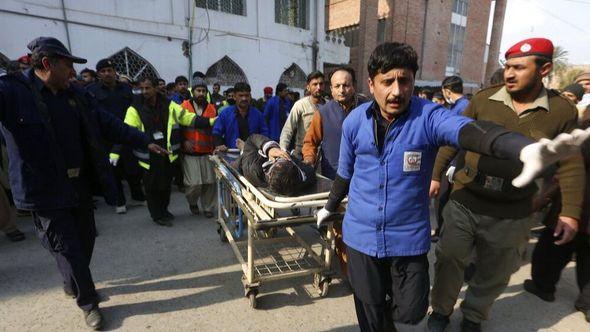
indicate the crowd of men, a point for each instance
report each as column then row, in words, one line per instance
column 70, row 138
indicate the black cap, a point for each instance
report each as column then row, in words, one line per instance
column 575, row 89
column 54, row 47
column 105, row 63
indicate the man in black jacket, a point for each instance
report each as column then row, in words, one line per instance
column 265, row 164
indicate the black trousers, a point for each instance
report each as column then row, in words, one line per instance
column 158, row 182
column 128, row 169
column 68, row 234
column 550, row 259
column 387, row 290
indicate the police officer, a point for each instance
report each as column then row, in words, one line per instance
column 115, row 97
column 53, row 131
column 387, row 153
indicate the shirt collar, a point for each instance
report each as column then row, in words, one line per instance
column 542, row 100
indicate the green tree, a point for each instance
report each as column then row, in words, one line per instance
column 560, row 63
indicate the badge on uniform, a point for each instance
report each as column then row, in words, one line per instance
column 158, row 135
column 412, row 161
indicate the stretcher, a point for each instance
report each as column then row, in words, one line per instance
column 249, row 218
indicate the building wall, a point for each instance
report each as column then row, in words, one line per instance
column 156, row 29
column 425, row 25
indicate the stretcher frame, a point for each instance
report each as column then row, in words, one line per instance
column 262, row 256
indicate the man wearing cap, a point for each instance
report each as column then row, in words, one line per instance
column 53, row 132
column 452, row 90
column 115, row 97
column 584, row 80
column 199, row 177
column 486, row 213
column 276, row 111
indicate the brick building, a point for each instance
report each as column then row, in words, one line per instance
column 450, row 36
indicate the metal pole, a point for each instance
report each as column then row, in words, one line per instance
column 63, row 10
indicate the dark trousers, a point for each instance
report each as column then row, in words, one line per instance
column 388, row 289
column 158, row 182
column 550, row 259
column 68, row 234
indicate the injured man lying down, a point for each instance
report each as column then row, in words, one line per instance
column 266, row 165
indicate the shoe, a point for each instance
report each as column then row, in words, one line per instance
column 162, row 222
column 437, row 322
column 121, row 209
column 93, row 318
column 469, row 326
column 208, row 214
column 586, row 313
column 194, row 209
column 531, row 287
column 168, row 216
column 15, row 236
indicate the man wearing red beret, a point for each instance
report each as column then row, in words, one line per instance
column 485, row 212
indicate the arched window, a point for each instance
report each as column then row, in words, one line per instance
column 294, row 77
column 225, row 72
column 129, row 63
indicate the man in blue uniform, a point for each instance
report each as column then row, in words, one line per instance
column 53, row 132
column 387, row 152
column 276, row 111
column 115, row 97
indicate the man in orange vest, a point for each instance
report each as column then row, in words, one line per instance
column 199, row 177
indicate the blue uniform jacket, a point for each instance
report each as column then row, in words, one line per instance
column 272, row 115
column 387, row 213
column 226, row 125
column 459, row 106
column 38, row 175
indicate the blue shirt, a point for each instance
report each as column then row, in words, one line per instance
column 276, row 112
column 459, row 106
column 387, row 213
column 226, row 126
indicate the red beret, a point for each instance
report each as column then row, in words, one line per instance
column 532, row 46
column 268, row 90
column 25, row 59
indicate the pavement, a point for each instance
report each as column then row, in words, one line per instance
column 184, row 278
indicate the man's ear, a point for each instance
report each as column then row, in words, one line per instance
column 371, row 84
column 546, row 69
column 46, row 63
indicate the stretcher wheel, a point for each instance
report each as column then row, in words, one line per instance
column 323, row 288
column 221, row 233
column 252, row 299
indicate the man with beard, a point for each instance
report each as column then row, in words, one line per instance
column 53, row 133
column 276, row 111
column 238, row 121
column 199, row 177
column 387, row 153
column 301, row 113
column 216, row 98
column 485, row 212
column 115, row 97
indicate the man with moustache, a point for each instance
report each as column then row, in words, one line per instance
column 387, row 153
column 485, row 212
column 301, row 113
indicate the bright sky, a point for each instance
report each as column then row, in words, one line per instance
column 564, row 22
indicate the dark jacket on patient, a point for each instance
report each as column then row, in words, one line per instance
column 251, row 161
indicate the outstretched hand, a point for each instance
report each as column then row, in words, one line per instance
column 537, row 156
column 155, row 148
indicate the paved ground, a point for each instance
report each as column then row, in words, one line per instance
column 184, row 278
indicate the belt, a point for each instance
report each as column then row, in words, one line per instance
column 73, row 172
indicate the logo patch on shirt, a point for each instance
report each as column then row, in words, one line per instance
column 412, row 161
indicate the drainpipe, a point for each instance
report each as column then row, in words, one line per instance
column 423, row 37
column 63, row 10
column 190, row 19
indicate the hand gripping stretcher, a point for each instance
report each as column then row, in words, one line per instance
column 249, row 218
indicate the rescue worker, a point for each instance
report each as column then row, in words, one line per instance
column 199, row 177
column 387, row 153
column 160, row 119
column 238, row 121
column 299, row 119
column 115, row 97
column 53, row 131
column 276, row 111
column 485, row 212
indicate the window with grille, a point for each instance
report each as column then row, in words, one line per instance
column 129, row 63
column 455, row 51
column 460, row 7
column 294, row 77
column 380, row 31
column 292, row 12
column 236, row 7
column 225, row 72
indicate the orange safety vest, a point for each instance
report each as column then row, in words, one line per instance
column 202, row 138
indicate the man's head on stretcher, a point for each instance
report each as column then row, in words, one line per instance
column 265, row 164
